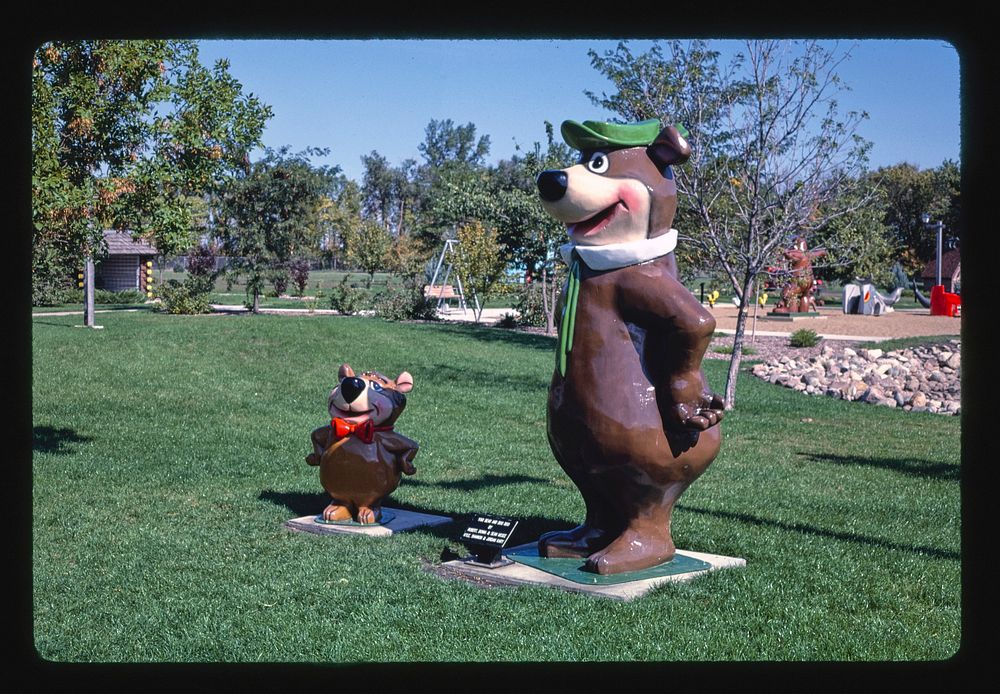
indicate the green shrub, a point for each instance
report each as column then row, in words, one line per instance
column 125, row 296
column 298, row 270
column 55, row 296
column 52, row 294
column 278, row 277
column 509, row 320
column 200, row 284
column 528, row 302
column 184, row 298
column 728, row 349
column 803, row 338
column 404, row 302
column 346, row 298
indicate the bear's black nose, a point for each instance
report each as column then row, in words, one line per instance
column 351, row 388
column 552, row 185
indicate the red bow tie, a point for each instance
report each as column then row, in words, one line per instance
column 363, row 430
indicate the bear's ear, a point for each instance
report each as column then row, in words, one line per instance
column 668, row 148
column 345, row 371
column 404, row 382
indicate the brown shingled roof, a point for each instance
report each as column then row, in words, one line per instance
column 950, row 260
column 122, row 243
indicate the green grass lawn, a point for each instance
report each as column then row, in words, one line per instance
column 321, row 284
column 168, row 452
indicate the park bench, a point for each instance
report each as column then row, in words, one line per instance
column 441, row 291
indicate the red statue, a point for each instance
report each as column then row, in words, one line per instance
column 797, row 294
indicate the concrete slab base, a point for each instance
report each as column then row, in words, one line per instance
column 792, row 317
column 401, row 521
column 516, row 574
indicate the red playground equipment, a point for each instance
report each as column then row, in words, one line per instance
column 945, row 303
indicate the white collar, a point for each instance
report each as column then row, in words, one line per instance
column 616, row 255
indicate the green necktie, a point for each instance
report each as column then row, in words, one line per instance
column 568, row 323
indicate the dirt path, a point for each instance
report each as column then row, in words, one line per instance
column 833, row 321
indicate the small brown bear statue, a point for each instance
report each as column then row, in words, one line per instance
column 360, row 457
column 630, row 416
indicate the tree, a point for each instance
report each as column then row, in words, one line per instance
column 338, row 216
column 298, row 268
column 388, row 192
column 505, row 198
column 266, row 215
column 479, row 261
column 909, row 193
column 771, row 155
column 125, row 134
column 452, row 155
column 859, row 245
column 446, row 144
column 201, row 266
column 549, row 234
column 514, row 214
column 405, row 257
column 367, row 246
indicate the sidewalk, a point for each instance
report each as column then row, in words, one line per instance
column 832, row 324
column 489, row 317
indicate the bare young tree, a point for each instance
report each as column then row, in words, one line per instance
column 771, row 156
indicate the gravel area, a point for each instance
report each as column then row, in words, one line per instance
column 765, row 348
column 923, row 378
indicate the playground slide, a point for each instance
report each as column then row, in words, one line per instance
column 924, row 301
column 892, row 298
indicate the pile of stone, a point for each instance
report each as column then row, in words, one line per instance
column 922, row 379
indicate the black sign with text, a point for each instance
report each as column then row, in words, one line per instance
column 486, row 535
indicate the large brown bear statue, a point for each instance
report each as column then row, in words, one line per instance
column 631, row 419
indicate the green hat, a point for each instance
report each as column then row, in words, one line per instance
column 595, row 134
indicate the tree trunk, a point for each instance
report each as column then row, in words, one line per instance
column 550, row 313
column 548, row 305
column 734, row 360
column 88, row 291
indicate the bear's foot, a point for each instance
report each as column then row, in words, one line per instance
column 313, row 459
column 336, row 512
column 581, row 541
column 633, row 551
column 367, row 516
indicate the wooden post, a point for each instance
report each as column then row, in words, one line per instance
column 88, row 292
column 756, row 303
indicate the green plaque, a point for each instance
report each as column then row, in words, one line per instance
column 572, row 569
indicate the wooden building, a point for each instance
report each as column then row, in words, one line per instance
column 951, row 271
column 125, row 265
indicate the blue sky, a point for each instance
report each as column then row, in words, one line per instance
column 355, row 96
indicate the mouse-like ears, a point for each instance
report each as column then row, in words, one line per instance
column 670, row 147
column 404, row 382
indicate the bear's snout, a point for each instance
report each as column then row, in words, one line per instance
column 552, row 185
column 351, row 388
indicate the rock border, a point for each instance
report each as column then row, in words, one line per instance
column 924, row 378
